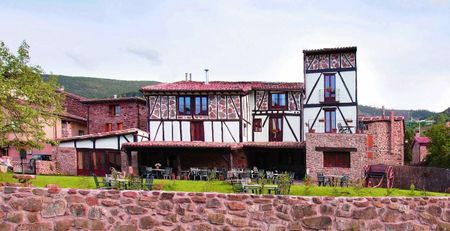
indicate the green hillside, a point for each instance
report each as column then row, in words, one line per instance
column 408, row 114
column 100, row 88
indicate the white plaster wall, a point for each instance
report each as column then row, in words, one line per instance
column 167, row 130
column 350, row 80
column 176, row 131
column 186, row 130
column 262, row 136
column 348, row 112
column 208, row 133
column 68, row 144
column 153, row 128
column 310, row 80
column 234, row 129
column 107, row 143
column 217, row 131
column 85, row 144
column 294, row 121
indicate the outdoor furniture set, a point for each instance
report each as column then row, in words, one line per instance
column 332, row 180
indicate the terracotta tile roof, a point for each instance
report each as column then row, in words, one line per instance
column 112, row 100
column 379, row 118
column 71, row 94
column 101, row 134
column 329, row 50
column 422, row 140
column 220, row 145
column 217, row 86
column 72, row 117
column 274, row 144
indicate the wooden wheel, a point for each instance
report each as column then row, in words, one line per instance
column 390, row 177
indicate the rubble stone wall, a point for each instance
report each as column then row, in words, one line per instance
column 69, row 209
column 46, row 167
column 315, row 158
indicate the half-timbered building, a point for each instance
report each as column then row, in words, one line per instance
column 331, row 103
column 223, row 124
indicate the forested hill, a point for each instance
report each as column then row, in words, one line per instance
column 408, row 114
column 90, row 87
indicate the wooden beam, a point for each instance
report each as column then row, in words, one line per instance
column 335, row 149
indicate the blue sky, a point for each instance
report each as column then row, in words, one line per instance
column 403, row 45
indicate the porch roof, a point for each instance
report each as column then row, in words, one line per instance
column 101, row 135
column 218, row 145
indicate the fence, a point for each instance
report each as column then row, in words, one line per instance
column 423, row 178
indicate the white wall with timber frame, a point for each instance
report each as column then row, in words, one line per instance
column 340, row 63
column 259, row 109
column 223, row 122
column 109, row 142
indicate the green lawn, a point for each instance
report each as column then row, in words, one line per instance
column 223, row 187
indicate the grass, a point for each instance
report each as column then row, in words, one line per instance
column 223, row 187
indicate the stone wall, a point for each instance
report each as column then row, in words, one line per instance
column 66, row 161
column 67, row 209
column 46, row 167
column 314, row 158
column 99, row 115
column 388, row 140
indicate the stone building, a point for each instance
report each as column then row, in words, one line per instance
column 419, row 149
column 113, row 114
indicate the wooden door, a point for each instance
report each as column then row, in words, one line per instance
column 197, row 131
column 84, row 163
column 276, row 128
column 330, row 88
column 100, row 163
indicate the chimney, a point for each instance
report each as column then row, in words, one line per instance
column 392, row 120
column 190, row 76
column 206, row 76
column 382, row 112
column 186, row 76
column 115, row 96
column 61, row 88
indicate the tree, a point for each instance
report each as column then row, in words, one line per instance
column 27, row 103
column 409, row 137
column 439, row 148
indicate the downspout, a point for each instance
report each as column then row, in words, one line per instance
column 391, row 146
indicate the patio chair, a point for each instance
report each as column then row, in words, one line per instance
column 167, row 173
column 238, row 187
column 291, row 177
column 321, row 179
column 203, row 174
column 136, row 183
column 260, row 176
column 149, row 181
column 270, row 176
column 148, row 170
column 98, row 184
column 193, row 173
column 247, row 174
column 344, row 180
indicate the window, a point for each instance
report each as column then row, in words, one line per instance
column 119, row 126
column 114, row 110
column 336, row 159
column 257, row 125
column 201, row 105
column 277, row 101
column 276, row 128
column 198, row 103
column 108, row 127
column 184, row 105
column 330, row 88
column 197, row 131
column 80, row 132
column 330, row 120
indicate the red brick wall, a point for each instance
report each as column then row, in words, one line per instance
column 129, row 116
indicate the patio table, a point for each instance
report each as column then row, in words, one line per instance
column 254, row 188
column 158, row 172
column 124, row 182
column 271, row 187
column 332, row 178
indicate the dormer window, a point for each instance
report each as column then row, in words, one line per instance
column 277, row 101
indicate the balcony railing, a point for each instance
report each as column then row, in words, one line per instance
column 341, row 127
column 323, row 99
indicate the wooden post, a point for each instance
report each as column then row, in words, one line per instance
column 231, row 158
column 179, row 165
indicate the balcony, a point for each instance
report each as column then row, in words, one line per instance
column 341, row 127
column 331, row 99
